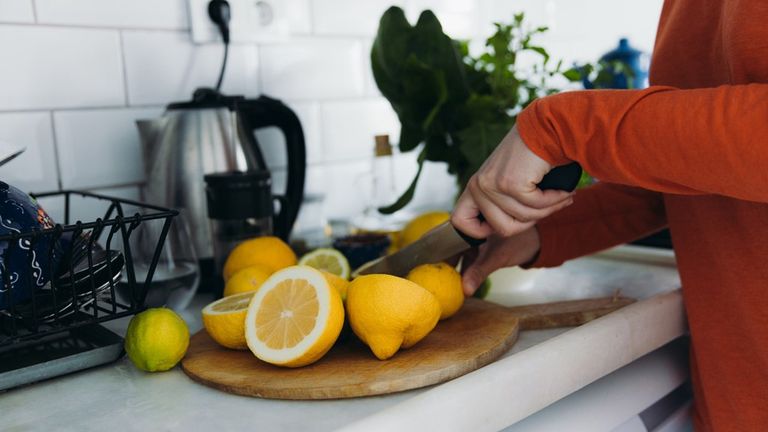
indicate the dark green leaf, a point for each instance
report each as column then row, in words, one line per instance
column 407, row 196
column 458, row 105
column 478, row 141
column 573, row 74
column 410, row 138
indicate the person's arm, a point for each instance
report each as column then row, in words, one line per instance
column 601, row 216
column 699, row 141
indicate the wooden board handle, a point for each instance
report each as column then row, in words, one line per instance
column 566, row 313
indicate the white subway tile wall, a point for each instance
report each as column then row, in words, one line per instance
column 349, row 17
column 144, row 14
column 349, row 127
column 35, row 169
column 16, row 11
column 313, row 68
column 54, row 67
column 163, row 67
column 100, row 148
column 76, row 74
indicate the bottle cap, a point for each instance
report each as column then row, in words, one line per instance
column 383, row 147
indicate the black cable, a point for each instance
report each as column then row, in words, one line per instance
column 218, row 11
column 223, row 67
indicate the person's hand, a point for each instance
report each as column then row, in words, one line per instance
column 495, row 253
column 504, row 192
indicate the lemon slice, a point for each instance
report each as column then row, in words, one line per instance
column 329, row 260
column 224, row 320
column 294, row 318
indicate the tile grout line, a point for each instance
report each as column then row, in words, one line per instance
column 93, row 27
column 293, row 37
column 56, row 151
column 34, row 10
column 318, row 101
column 259, row 70
column 124, row 67
column 311, row 6
column 81, row 108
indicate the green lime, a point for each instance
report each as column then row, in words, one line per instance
column 483, row 289
column 156, row 340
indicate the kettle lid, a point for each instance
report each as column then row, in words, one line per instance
column 205, row 97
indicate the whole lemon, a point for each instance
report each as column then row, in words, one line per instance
column 156, row 339
column 387, row 312
column 444, row 282
column 421, row 225
column 247, row 279
column 394, row 242
column 270, row 252
column 337, row 282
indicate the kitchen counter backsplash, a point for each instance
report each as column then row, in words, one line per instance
column 77, row 74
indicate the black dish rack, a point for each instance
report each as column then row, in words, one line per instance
column 58, row 329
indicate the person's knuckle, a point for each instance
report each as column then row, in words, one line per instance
column 524, row 217
column 507, row 183
column 506, row 230
column 473, row 185
column 486, row 182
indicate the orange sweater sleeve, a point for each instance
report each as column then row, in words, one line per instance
column 698, row 141
column 601, row 216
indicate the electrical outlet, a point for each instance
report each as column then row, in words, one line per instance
column 252, row 21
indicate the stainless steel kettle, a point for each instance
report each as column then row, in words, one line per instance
column 215, row 133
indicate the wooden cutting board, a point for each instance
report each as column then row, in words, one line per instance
column 477, row 335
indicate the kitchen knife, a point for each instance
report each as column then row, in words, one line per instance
column 445, row 241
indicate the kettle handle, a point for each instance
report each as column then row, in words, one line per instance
column 263, row 112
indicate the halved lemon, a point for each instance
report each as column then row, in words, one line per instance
column 224, row 320
column 329, row 260
column 294, row 318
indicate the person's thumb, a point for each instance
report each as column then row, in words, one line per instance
column 474, row 276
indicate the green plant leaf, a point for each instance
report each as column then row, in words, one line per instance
column 479, row 140
column 541, row 51
column 573, row 74
column 483, row 290
column 458, row 105
column 420, row 71
column 410, row 138
column 407, row 196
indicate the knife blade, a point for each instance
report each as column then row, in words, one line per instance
column 445, row 241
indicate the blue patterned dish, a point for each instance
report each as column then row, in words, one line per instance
column 28, row 262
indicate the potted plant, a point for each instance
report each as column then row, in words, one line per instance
column 458, row 105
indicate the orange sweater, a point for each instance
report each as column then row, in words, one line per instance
column 691, row 153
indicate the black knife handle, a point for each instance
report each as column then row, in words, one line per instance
column 471, row 241
column 564, row 177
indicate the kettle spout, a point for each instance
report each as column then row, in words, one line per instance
column 149, row 131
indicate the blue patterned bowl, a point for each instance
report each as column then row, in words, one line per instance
column 26, row 264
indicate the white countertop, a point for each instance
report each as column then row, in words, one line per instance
column 542, row 367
